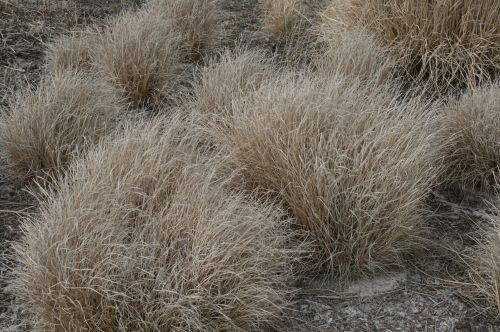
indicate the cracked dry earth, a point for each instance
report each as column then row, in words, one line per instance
column 427, row 295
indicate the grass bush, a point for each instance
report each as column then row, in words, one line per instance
column 471, row 138
column 291, row 24
column 355, row 54
column 281, row 17
column 143, row 235
column 484, row 262
column 351, row 163
column 451, row 43
column 140, row 54
column 285, row 17
column 72, row 52
column 46, row 127
column 230, row 78
column 197, row 21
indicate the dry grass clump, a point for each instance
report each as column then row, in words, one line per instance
column 288, row 17
column 45, row 128
column 471, row 135
column 140, row 54
column 71, row 52
column 143, row 235
column 196, row 20
column 228, row 79
column 353, row 165
column 447, row 41
column 281, row 16
column 291, row 22
column 484, row 263
column 355, row 54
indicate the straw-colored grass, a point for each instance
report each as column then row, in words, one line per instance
column 351, row 163
column 143, row 235
column 196, row 20
column 140, row 54
column 484, row 262
column 355, row 54
column 471, row 138
column 452, row 43
column 230, row 78
column 66, row 114
column 281, row 16
column 290, row 24
column 72, row 52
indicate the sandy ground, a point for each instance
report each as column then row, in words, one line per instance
column 426, row 295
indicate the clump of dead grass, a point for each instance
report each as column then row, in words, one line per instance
column 484, row 262
column 355, row 54
column 140, row 54
column 281, row 17
column 72, row 52
column 291, row 24
column 44, row 128
column 196, row 20
column 229, row 78
column 471, row 138
column 352, row 164
column 450, row 43
column 143, row 235
column 288, row 17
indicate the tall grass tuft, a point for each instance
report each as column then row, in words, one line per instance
column 72, row 52
column 355, row 54
column 140, row 54
column 471, row 138
column 144, row 235
column 229, row 78
column 196, row 20
column 351, row 163
column 484, row 262
column 451, row 43
column 46, row 127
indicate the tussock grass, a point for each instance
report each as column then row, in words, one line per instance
column 484, row 262
column 448, row 42
column 281, row 17
column 287, row 17
column 140, row 54
column 353, row 166
column 196, row 20
column 143, row 235
column 471, row 138
column 46, row 127
column 355, row 54
column 229, row 79
column 72, row 52
column 291, row 24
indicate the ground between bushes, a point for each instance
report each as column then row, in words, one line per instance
column 424, row 297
